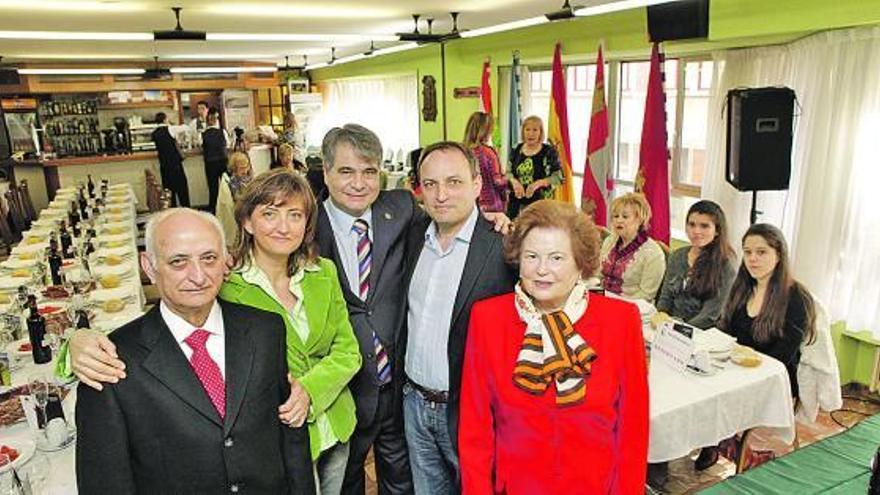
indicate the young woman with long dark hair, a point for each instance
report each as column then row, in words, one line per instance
column 698, row 277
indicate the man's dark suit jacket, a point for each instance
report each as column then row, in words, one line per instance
column 394, row 214
column 157, row 431
column 485, row 275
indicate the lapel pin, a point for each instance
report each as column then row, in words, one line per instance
column 387, row 216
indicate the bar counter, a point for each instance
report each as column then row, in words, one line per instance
column 63, row 172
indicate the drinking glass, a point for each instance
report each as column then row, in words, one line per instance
column 36, row 473
column 39, row 389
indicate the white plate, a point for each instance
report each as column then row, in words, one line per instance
column 101, row 295
column 8, row 284
column 25, row 448
column 13, row 349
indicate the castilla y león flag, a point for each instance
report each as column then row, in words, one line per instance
column 653, row 177
column 597, row 166
column 557, row 127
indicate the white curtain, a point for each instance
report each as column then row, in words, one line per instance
column 828, row 216
column 388, row 106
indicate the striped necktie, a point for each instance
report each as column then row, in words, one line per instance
column 365, row 258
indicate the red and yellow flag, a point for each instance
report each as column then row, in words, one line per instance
column 653, row 177
column 557, row 127
column 597, row 166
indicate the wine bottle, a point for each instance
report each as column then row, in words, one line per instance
column 36, row 325
column 66, row 242
column 54, row 262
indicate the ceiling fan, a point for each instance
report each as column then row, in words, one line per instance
column 178, row 33
column 155, row 72
column 430, row 36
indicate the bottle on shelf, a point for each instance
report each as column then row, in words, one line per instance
column 36, row 325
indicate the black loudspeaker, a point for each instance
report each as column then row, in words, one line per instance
column 759, row 131
column 680, row 20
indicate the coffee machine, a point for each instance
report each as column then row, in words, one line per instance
column 118, row 139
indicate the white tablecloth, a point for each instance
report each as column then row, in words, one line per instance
column 690, row 411
column 62, row 479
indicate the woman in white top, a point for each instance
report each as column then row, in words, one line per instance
column 631, row 263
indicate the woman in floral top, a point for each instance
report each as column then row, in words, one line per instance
column 535, row 171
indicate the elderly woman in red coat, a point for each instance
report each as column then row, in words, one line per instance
column 555, row 392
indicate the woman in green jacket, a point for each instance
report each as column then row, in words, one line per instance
column 277, row 269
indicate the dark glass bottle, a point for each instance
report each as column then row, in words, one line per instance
column 66, row 242
column 83, row 207
column 91, row 187
column 54, row 262
column 82, row 319
column 36, row 326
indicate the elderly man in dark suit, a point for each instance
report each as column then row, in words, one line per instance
column 456, row 259
column 197, row 412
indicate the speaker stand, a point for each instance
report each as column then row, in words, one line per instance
column 753, row 216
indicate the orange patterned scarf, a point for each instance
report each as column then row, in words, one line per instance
column 552, row 350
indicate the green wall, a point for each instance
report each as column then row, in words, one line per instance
column 733, row 23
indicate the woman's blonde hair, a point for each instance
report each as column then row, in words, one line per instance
column 285, row 150
column 235, row 159
column 531, row 119
column 637, row 203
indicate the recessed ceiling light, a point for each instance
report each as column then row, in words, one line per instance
column 326, row 10
column 66, row 71
column 221, row 70
column 353, row 38
column 74, row 36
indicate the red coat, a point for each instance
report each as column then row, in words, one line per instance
column 515, row 443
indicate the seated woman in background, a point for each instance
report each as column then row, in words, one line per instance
column 631, row 263
column 767, row 309
column 286, row 159
column 239, row 174
column 698, row 276
column 493, row 195
column 554, row 392
column 534, row 170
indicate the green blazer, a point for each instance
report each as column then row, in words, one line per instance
column 329, row 358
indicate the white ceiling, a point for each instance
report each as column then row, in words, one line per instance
column 373, row 17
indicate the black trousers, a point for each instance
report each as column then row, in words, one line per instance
column 213, row 171
column 386, row 436
column 174, row 179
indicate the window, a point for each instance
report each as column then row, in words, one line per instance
column 688, row 86
column 271, row 104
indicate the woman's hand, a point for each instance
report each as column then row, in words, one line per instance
column 518, row 190
column 534, row 186
column 94, row 360
column 295, row 409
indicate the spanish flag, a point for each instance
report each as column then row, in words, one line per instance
column 652, row 179
column 557, row 127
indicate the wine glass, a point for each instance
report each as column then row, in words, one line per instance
column 36, row 472
column 39, row 388
column 8, row 486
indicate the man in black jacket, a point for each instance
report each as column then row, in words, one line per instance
column 170, row 162
column 214, row 145
column 197, row 412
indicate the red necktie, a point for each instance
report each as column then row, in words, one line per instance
column 207, row 370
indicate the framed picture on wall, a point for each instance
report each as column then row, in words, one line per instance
column 298, row 85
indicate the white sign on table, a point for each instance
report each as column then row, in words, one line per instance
column 673, row 345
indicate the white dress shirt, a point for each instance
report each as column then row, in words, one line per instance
column 181, row 329
column 431, row 298
column 347, row 240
